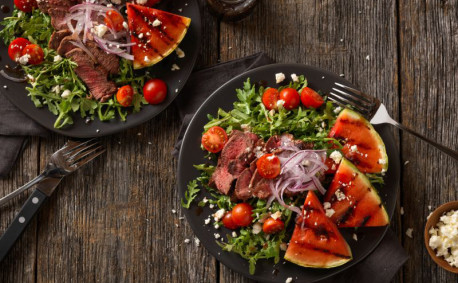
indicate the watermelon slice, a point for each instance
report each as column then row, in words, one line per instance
column 354, row 200
column 363, row 145
column 316, row 241
column 155, row 32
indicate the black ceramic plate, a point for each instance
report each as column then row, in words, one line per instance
column 175, row 80
column 266, row 271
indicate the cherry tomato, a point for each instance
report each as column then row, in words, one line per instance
column 291, row 98
column 272, row 226
column 270, row 98
column 332, row 166
column 228, row 222
column 268, row 166
column 125, row 95
column 214, row 139
column 36, row 54
column 26, row 5
column 114, row 20
column 16, row 47
column 155, row 91
column 242, row 214
column 311, row 98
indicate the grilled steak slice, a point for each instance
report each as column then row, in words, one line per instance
column 242, row 189
column 110, row 62
column 95, row 77
column 46, row 5
column 66, row 46
column 236, row 155
column 58, row 17
column 57, row 37
column 260, row 187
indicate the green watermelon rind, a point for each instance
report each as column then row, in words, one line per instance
column 374, row 192
column 333, row 265
column 381, row 145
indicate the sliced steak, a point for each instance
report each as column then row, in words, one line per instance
column 110, row 62
column 260, row 187
column 46, row 5
column 58, row 17
column 57, row 37
column 66, row 45
column 95, row 77
column 242, row 189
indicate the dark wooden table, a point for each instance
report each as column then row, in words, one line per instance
column 112, row 221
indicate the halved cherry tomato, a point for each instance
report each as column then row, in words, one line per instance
column 125, row 95
column 155, row 91
column 26, row 5
column 268, row 166
column 272, row 226
column 16, row 47
column 311, row 98
column 36, row 54
column 228, row 222
column 114, row 20
column 291, row 98
column 214, row 139
column 242, row 214
column 332, row 166
column 270, row 98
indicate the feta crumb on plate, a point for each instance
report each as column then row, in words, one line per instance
column 409, row 232
column 279, row 77
column 336, row 156
column 289, row 280
column 295, row 78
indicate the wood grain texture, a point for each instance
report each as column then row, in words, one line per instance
column 429, row 83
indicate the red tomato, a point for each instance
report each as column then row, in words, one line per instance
column 155, row 91
column 36, row 54
column 228, row 222
column 291, row 98
column 270, row 98
column 26, row 5
column 311, row 98
column 214, row 139
column 242, row 214
column 125, row 95
column 330, row 164
column 114, row 20
column 272, row 226
column 268, row 166
column 16, row 47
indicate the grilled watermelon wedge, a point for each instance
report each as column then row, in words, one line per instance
column 354, row 200
column 155, row 32
column 316, row 241
column 362, row 144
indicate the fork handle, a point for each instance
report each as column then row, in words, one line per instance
column 449, row 151
column 18, row 191
column 24, row 217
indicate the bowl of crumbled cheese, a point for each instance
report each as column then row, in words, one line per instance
column 441, row 236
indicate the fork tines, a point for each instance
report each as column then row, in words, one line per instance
column 80, row 153
column 344, row 95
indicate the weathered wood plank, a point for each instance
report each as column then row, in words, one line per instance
column 19, row 265
column 357, row 39
column 429, row 82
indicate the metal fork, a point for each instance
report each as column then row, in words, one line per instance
column 373, row 110
column 63, row 162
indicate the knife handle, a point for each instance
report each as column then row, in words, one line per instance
column 24, row 217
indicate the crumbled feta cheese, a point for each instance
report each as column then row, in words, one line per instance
column 444, row 237
column 336, row 156
column 234, row 234
column 217, row 236
column 109, row 5
column 141, row 2
column 381, row 161
column 207, row 221
column 280, row 103
column 100, row 30
column 354, row 148
column 174, row 211
column 279, row 77
column 409, row 232
column 306, row 162
column 66, row 93
column 211, row 205
column 340, row 195
column 23, row 60
column 276, row 215
column 330, row 212
column 295, row 78
column 179, row 52
column 402, row 210
column 337, row 110
column 283, row 246
column 57, row 58
column 156, row 23
column 323, row 124
column 197, row 241
column 219, row 214
column 187, row 241
column 205, row 200
column 245, row 127
column 125, row 25
column 289, row 280
column 118, row 2
column 272, row 112
column 175, row 67
column 355, row 237
column 429, row 207
column 256, row 228
column 326, row 205
column 56, row 89
column 216, row 226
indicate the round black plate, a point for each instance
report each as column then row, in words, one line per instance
column 368, row 238
column 175, row 80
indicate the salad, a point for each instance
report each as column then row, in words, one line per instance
column 91, row 58
column 286, row 170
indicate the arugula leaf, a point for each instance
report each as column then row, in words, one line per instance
column 190, row 194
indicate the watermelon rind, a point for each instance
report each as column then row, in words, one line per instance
column 355, row 116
